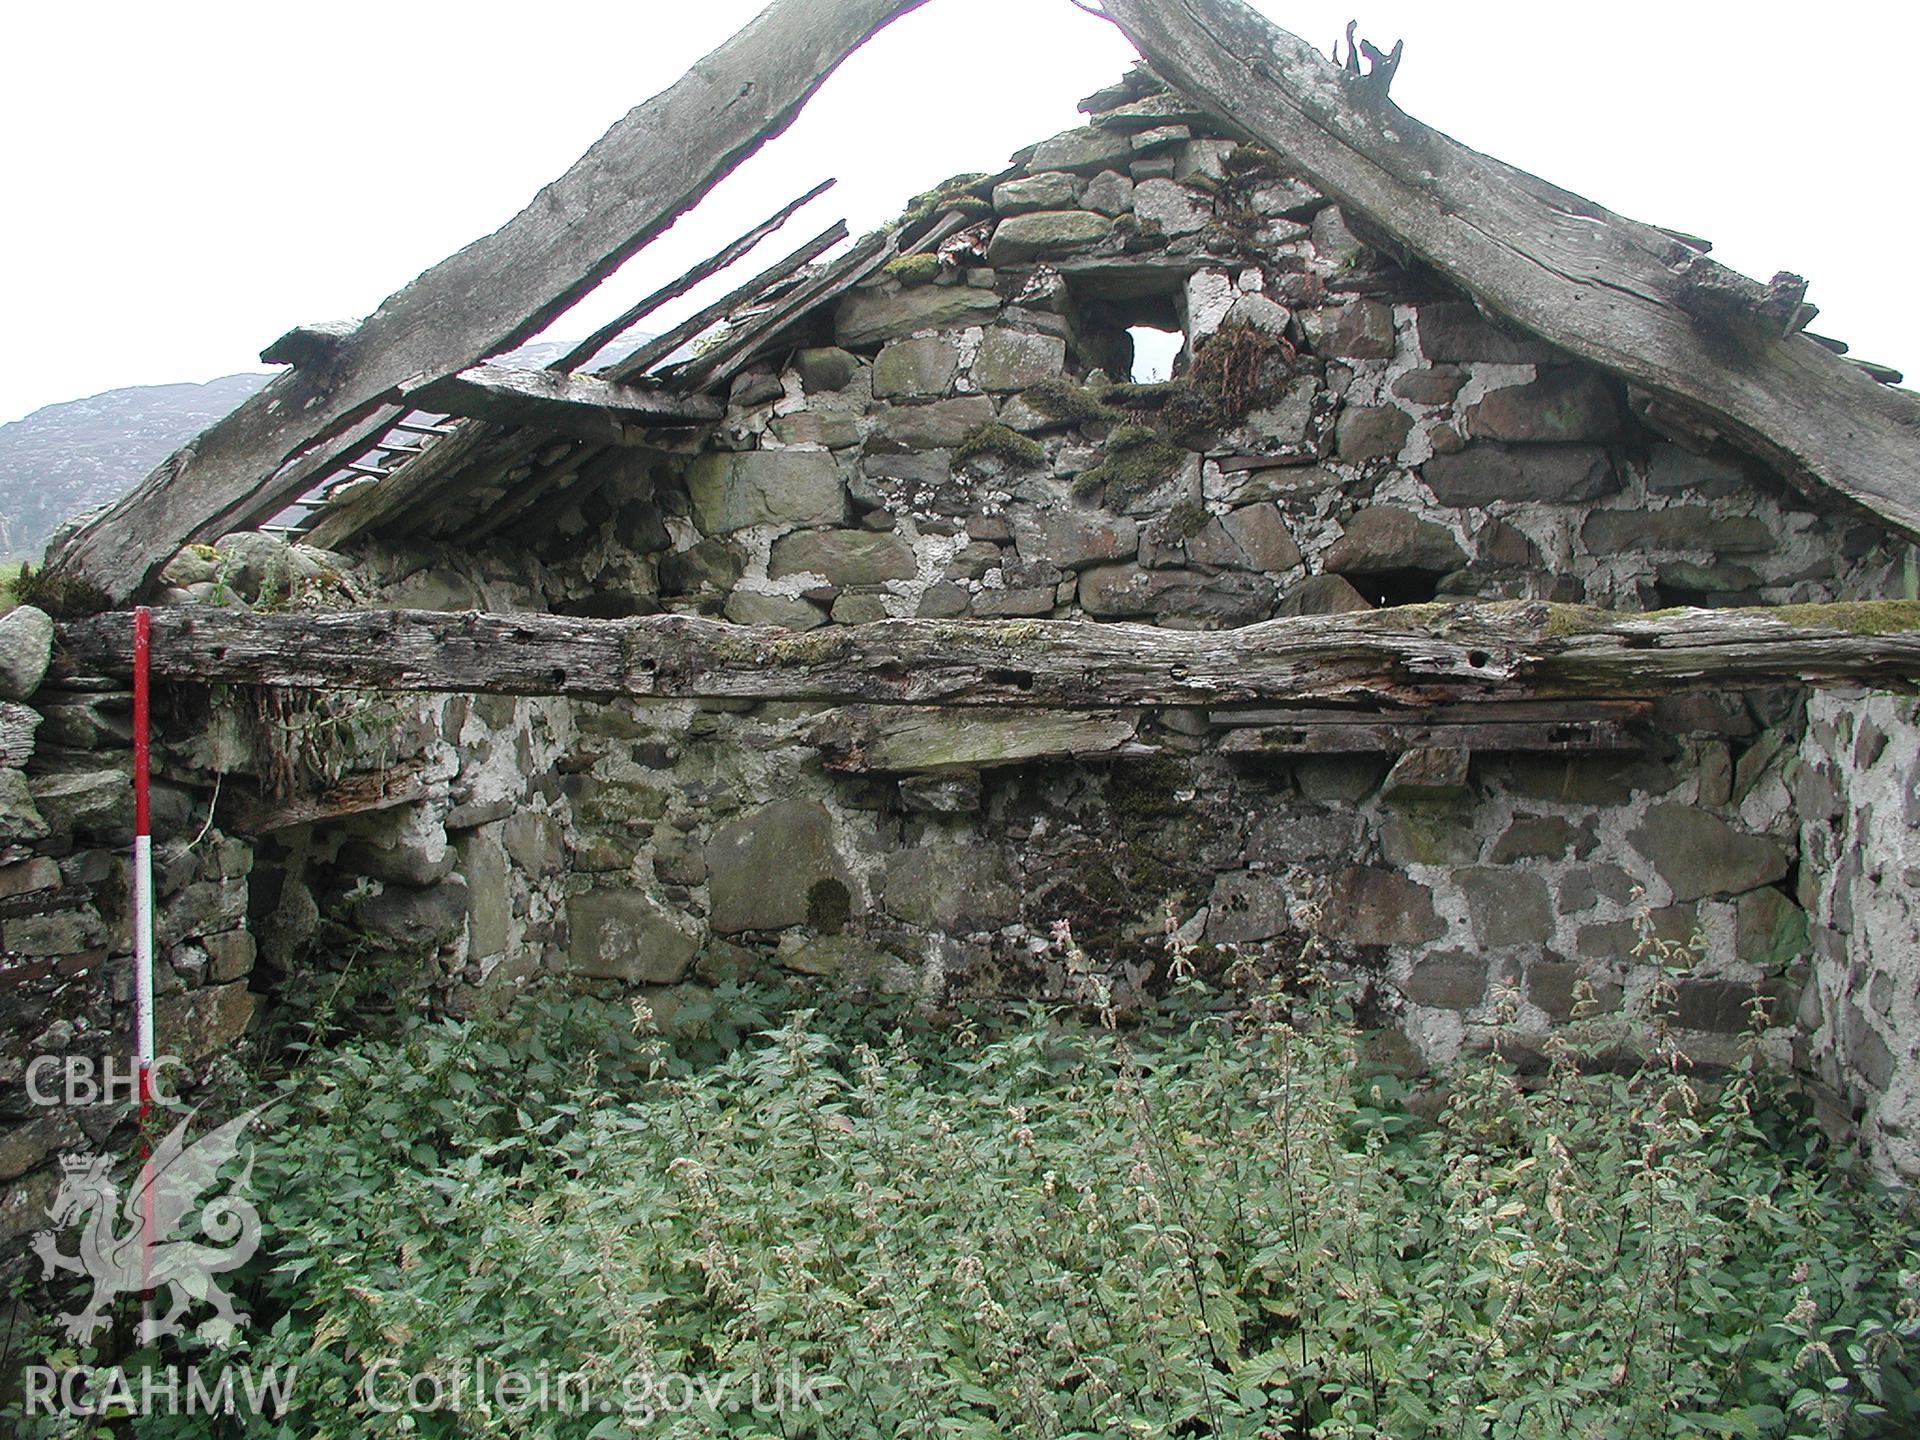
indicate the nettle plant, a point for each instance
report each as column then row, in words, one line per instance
column 1219, row 1223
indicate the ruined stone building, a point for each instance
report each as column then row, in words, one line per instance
column 1522, row 737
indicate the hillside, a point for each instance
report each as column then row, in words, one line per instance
column 70, row 457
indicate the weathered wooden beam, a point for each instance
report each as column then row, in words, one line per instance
column 583, row 406
column 662, row 346
column 1483, row 728
column 1607, row 289
column 738, row 347
column 674, row 289
column 921, row 741
column 501, row 290
column 1421, row 656
column 413, row 484
column 362, row 793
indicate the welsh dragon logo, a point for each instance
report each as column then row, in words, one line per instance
column 114, row 1251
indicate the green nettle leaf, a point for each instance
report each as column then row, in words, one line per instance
column 1219, row 1225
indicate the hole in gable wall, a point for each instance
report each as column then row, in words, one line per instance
column 1154, row 353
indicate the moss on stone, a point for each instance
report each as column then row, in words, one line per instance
column 956, row 193
column 999, row 443
column 1137, row 462
column 914, row 269
column 1153, row 396
column 1061, row 399
column 1253, row 164
column 829, row 906
column 1182, row 522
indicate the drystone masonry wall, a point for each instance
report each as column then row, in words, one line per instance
column 66, row 973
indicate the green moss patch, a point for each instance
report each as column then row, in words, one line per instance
column 914, row 269
column 997, row 442
column 1856, row 617
column 1137, row 462
column 1064, row 400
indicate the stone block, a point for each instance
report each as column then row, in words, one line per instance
column 1296, row 836
column 1083, row 152
column 766, row 487
column 1449, row 981
column 826, row 369
column 1455, row 332
column 939, row 426
column 1723, row 1006
column 1050, row 190
column 1109, row 193
column 1567, row 404
column 1430, row 835
column 1008, row 604
column 26, row 648
column 954, row 889
column 1541, row 837
column 1432, row 772
column 200, row 1023
column 1385, row 538
column 828, row 429
column 1072, row 538
column 1172, row 206
column 787, row 612
column 763, row 866
column 1323, row 595
column 1678, row 528
column 1547, row 474
column 845, row 557
column 1261, row 535
column 1770, row 930
column 1554, row 986
column 1358, row 330
column 1015, row 359
column 1507, row 907
column 1045, row 233
column 230, row 955
column 710, row 567
column 1436, row 385
column 868, row 318
column 409, row 920
column 1247, row 907
column 1370, row 906
column 624, row 936
column 1699, row 854
column 918, row 369
column 1371, row 432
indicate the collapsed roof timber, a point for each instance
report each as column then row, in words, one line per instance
column 375, row 424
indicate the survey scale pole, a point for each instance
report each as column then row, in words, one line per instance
column 143, row 1055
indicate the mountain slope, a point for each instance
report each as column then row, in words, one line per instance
column 70, row 457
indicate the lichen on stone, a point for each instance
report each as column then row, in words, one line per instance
column 953, row 194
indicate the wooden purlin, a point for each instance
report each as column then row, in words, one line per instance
column 1414, row 658
column 1625, row 296
column 631, row 185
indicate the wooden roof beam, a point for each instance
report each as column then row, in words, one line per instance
column 503, row 289
column 1609, row 290
column 583, row 406
column 1418, row 657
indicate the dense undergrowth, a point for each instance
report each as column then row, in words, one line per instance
column 1222, row 1225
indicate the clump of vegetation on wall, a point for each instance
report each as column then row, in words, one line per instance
column 1136, row 462
column 64, row 597
column 997, row 442
column 913, row 269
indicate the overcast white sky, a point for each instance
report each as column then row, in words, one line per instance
column 184, row 181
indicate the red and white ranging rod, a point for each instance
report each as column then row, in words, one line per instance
column 143, row 1053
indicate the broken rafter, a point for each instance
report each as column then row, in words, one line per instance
column 705, row 270
column 1417, row 657
column 583, row 406
column 1609, row 290
column 738, row 347
column 662, row 346
column 629, row 187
